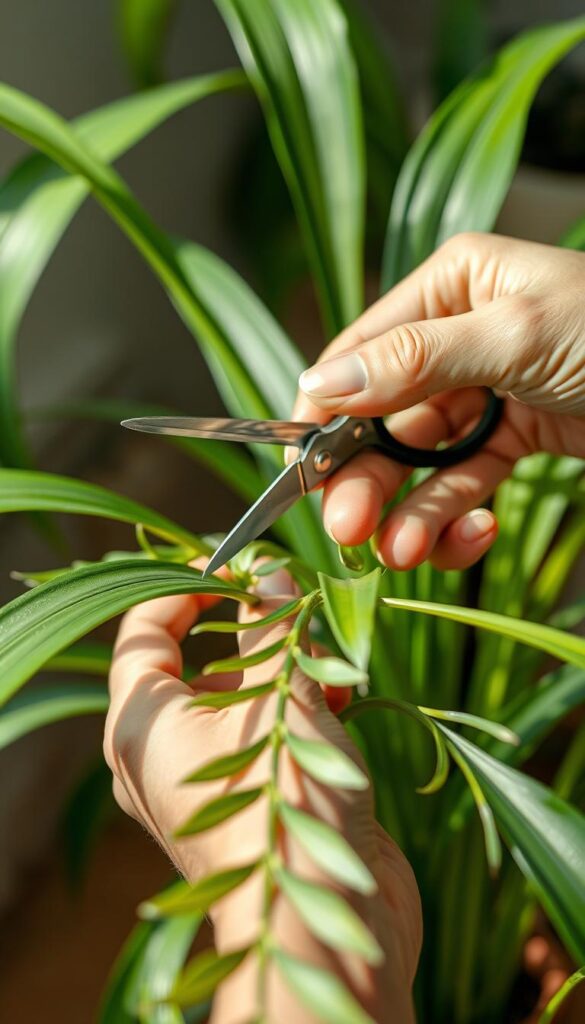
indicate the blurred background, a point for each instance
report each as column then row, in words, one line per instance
column 99, row 326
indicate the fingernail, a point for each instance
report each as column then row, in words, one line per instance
column 278, row 584
column 409, row 543
column 345, row 375
column 476, row 525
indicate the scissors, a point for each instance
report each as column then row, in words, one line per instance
column 322, row 450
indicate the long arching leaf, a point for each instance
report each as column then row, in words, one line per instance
column 38, row 201
column 37, row 707
column 23, row 490
column 457, row 174
column 299, row 61
column 546, row 837
column 38, row 624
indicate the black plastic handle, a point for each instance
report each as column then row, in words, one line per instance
column 441, row 457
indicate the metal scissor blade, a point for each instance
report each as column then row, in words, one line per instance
column 282, row 493
column 223, row 429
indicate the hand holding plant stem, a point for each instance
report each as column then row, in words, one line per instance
column 155, row 739
column 482, row 310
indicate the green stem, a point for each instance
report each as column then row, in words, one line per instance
column 309, row 604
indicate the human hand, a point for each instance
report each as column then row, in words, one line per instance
column 483, row 310
column 154, row 739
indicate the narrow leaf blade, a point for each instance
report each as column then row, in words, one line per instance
column 326, row 763
column 327, row 915
column 218, row 810
column 329, row 849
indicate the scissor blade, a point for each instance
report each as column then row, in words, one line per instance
column 223, row 429
column 286, row 489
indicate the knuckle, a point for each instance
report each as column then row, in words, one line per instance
column 466, row 240
column 406, row 353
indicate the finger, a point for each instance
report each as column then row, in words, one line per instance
column 355, row 496
column 411, row 531
column 465, row 540
column 450, row 282
column 149, row 637
column 408, row 363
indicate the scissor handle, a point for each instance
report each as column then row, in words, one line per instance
column 442, row 457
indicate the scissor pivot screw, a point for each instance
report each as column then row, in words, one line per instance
column 359, row 431
column 322, row 462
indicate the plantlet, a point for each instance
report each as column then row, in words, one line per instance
column 415, row 643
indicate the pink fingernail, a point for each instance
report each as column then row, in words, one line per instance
column 476, row 525
column 345, row 375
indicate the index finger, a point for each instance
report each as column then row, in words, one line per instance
column 149, row 638
column 439, row 287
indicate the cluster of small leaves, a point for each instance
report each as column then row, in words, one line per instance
column 350, row 607
column 324, row 912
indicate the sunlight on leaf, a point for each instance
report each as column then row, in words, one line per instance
column 231, row 764
column 326, row 763
column 328, row 849
column 246, row 661
column 327, row 915
column 184, row 898
column 330, row 671
column 320, row 991
column 225, row 698
column 218, row 810
column 350, row 607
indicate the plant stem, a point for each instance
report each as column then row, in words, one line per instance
column 308, row 606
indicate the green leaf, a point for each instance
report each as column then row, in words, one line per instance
column 159, row 967
column 350, row 558
column 461, row 42
column 26, row 491
column 300, row 63
column 203, row 974
column 267, row 568
column 113, row 1008
column 332, row 671
column 218, row 810
column 41, row 622
column 225, row 698
column 350, row 607
column 574, row 237
column 143, row 27
column 457, row 174
column 327, row 915
column 385, row 119
column 253, row 362
column 183, row 898
column 493, row 847
column 237, row 627
column 38, row 201
column 546, row 837
column 395, row 704
column 564, row 646
column 231, row 764
column 536, row 711
column 328, row 849
column 89, row 808
column 326, row 763
column 496, row 729
column 320, row 991
column 246, row 661
column 559, row 997
column 85, row 657
column 32, row 709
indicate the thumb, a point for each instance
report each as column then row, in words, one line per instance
column 405, row 365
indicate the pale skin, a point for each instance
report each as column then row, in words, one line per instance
column 482, row 311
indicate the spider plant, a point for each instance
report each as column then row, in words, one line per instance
column 445, row 654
